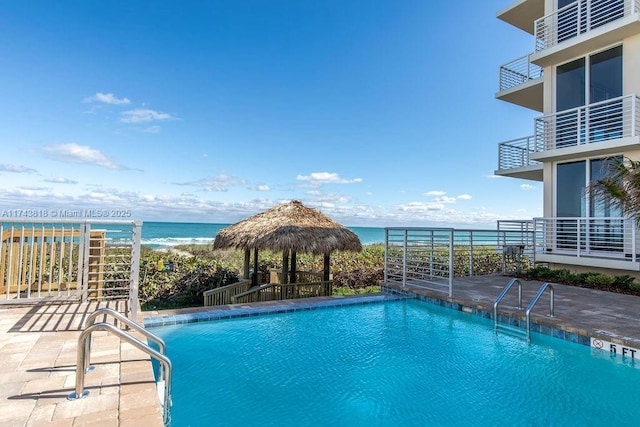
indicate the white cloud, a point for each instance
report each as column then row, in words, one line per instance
column 331, row 199
column 527, row 187
column 190, row 207
column 60, row 180
column 420, row 207
column 260, row 188
column 435, row 193
column 313, row 192
column 107, row 98
column 464, row 197
column 15, row 168
column 75, row 153
column 319, row 178
column 445, row 199
column 143, row 115
column 220, row 183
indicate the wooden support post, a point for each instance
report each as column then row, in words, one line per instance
column 325, row 275
column 254, row 276
column 285, row 267
column 293, row 267
column 96, row 264
column 14, row 279
column 3, row 264
column 247, row 261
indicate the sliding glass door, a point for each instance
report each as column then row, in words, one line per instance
column 585, row 222
column 595, row 79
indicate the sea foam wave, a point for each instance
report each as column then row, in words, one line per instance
column 174, row 241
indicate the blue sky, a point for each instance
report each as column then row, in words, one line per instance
column 376, row 113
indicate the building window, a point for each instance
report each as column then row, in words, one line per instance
column 578, row 17
column 585, row 222
column 595, row 79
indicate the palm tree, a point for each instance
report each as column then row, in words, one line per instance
column 620, row 186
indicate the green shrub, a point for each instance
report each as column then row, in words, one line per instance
column 623, row 283
column 349, row 291
column 209, row 268
column 539, row 273
column 600, row 280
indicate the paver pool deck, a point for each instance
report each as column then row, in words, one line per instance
column 38, row 346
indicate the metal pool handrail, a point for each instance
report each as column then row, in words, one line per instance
column 162, row 347
column 533, row 302
column 502, row 295
column 81, row 393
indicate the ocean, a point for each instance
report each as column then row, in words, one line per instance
column 166, row 234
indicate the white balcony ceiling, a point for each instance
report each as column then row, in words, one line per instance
column 522, row 14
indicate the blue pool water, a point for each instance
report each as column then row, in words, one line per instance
column 399, row 363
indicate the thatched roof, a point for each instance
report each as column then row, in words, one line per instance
column 290, row 226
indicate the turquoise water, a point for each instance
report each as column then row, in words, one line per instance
column 402, row 363
column 165, row 234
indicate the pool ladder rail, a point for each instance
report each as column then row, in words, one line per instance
column 532, row 304
column 84, row 353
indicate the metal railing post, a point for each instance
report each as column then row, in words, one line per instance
column 386, row 255
column 451, row 263
column 470, row 253
column 86, row 230
column 404, row 258
column 634, row 227
column 634, row 100
column 135, row 269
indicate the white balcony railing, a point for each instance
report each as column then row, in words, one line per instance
column 602, row 121
column 517, row 72
column 613, row 237
column 578, row 18
column 516, row 153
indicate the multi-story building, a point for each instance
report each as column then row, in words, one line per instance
column 583, row 76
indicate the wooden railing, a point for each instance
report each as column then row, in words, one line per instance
column 275, row 276
column 276, row 291
column 63, row 258
column 37, row 261
column 224, row 294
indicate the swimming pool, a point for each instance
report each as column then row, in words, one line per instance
column 391, row 363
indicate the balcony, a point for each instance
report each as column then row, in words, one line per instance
column 582, row 27
column 594, row 242
column 601, row 128
column 514, row 159
column 521, row 84
column 522, row 14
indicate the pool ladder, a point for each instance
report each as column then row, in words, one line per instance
column 84, row 353
column 532, row 304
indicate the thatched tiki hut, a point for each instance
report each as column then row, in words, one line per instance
column 288, row 228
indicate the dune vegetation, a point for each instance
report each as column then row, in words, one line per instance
column 178, row 277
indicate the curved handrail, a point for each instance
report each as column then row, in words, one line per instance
column 533, row 302
column 81, row 359
column 133, row 325
column 502, row 295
